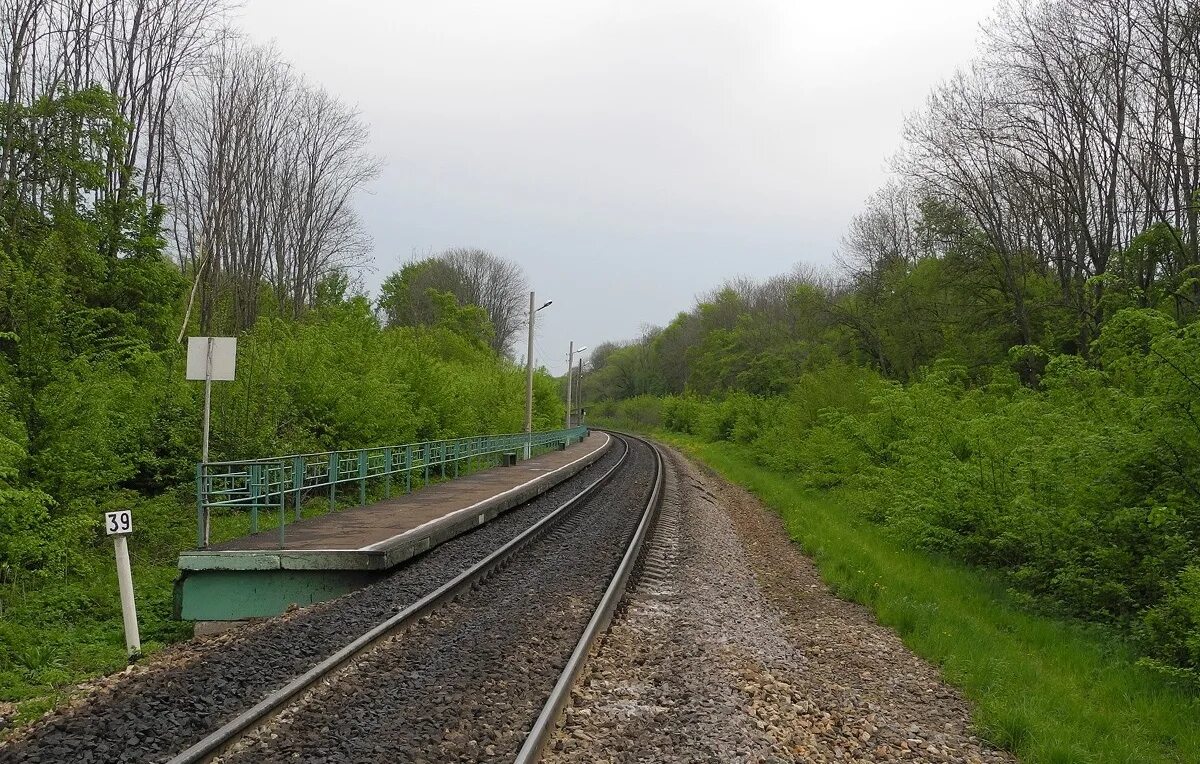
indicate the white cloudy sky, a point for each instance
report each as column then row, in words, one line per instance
column 629, row 155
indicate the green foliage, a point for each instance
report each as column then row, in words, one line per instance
column 339, row 380
column 469, row 291
column 1171, row 629
column 95, row 414
column 61, row 142
column 1084, row 490
column 1147, row 273
column 978, row 408
column 122, row 431
column 467, row 321
column 23, row 510
column 408, row 297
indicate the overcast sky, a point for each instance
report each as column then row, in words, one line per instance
column 629, row 155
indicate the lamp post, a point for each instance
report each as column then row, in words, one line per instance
column 570, row 365
column 579, row 391
column 529, row 378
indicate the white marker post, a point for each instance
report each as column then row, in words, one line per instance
column 119, row 525
column 210, row 358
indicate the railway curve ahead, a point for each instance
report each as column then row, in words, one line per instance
column 462, row 672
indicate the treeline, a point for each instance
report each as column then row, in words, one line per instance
column 1004, row 368
column 479, row 294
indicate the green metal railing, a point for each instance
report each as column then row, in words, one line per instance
column 277, row 484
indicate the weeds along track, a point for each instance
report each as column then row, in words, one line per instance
column 361, row 678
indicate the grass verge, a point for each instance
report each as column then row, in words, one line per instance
column 1051, row 691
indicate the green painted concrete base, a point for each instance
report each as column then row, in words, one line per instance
column 229, row 595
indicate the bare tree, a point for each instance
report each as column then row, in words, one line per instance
column 495, row 284
column 1074, row 133
column 141, row 51
column 882, row 235
column 329, row 166
column 263, row 169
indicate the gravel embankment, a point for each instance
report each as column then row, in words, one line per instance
column 161, row 708
column 733, row 650
column 466, row 684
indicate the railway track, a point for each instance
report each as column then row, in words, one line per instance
column 478, row 669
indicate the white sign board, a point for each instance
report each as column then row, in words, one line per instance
column 118, row 523
column 224, row 358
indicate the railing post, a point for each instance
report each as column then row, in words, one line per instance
column 333, row 476
column 362, row 477
column 282, row 503
column 255, row 472
column 425, row 461
column 408, row 468
column 298, row 481
column 387, row 472
column 201, row 542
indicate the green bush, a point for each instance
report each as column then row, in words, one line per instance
column 1082, row 490
column 1170, row 631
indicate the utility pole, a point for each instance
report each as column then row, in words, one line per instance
column 529, row 383
column 570, row 367
column 529, row 379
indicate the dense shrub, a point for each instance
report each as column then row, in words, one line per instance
column 1084, row 490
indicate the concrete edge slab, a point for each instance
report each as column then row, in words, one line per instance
column 201, row 560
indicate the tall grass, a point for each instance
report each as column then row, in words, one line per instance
column 1048, row 690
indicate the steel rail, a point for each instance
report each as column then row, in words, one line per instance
column 543, row 727
column 215, row 743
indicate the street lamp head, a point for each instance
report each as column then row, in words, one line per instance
column 547, row 304
column 580, row 350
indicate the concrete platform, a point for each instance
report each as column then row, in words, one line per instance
column 329, row 555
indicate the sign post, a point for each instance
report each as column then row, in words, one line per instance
column 210, row 358
column 119, row 525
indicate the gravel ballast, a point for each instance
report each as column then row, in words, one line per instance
column 159, row 709
column 732, row 649
column 467, row 683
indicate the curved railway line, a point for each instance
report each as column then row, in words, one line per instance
column 476, row 668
